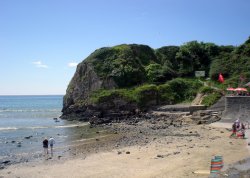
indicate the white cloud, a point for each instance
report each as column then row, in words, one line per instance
column 72, row 64
column 39, row 64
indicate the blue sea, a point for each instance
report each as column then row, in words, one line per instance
column 26, row 120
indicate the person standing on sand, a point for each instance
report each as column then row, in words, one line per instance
column 45, row 147
column 51, row 144
column 234, row 133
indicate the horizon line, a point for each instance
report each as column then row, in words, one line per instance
column 31, row 94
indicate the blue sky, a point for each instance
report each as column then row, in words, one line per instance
column 39, row 39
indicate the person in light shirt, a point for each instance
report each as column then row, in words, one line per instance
column 51, row 144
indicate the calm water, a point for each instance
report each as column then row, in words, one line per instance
column 32, row 116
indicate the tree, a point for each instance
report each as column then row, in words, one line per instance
column 154, row 72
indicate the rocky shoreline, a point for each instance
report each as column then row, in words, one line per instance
column 126, row 131
column 138, row 130
column 185, row 131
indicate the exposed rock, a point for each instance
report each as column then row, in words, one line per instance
column 160, row 156
column 19, row 144
column 206, row 116
column 6, row 162
column 28, row 137
column 84, row 81
column 100, row 71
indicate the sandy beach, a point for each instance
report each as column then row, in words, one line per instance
column 143, row 152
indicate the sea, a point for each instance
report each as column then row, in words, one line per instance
column 26, row 120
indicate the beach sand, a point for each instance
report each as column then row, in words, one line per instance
column 177, row 154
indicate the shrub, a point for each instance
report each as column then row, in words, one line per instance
column 102, row 95
column 146, row 94
column 206, row 90
column 165, row 94
column 184, row 89
column 211, row 99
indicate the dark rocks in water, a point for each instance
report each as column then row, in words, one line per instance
column 13, row 141
column 56, row 119
column 6, row 162
column 19, row 144
column 28, row 137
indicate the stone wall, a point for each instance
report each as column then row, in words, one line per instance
column 237, row 107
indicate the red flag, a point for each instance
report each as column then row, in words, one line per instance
column 221, row 78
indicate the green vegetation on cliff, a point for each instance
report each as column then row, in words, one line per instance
column 124, row 63
column 145, row 76
column 131, row 65
column 171, row 92
column 211, row 95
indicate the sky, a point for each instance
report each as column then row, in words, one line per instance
column 41, row 42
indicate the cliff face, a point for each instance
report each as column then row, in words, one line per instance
column 106, row 68
column 84, row 81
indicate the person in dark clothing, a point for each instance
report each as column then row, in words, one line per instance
column 234, row 130
column 242, row 130
column 45, row 146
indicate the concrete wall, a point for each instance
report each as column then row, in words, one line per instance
column 237, row 107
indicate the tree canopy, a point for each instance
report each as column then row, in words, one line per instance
column 131, row 65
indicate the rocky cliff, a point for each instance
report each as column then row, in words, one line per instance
column 106, row 68
column 84, row 81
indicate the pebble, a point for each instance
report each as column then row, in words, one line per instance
column 160, row 156
column 1, row 167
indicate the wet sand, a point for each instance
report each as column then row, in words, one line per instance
column 145, row 149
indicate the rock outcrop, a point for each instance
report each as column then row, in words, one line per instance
column 106, row 68
column 84, row 81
